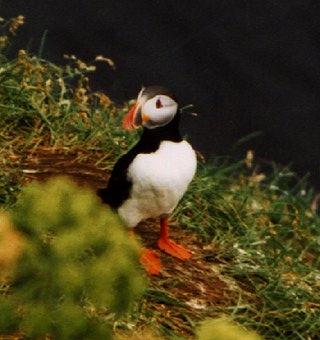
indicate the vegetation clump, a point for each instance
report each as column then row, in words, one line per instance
column 43, row 104
column 77, row 268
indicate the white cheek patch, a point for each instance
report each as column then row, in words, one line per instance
column 162, row 115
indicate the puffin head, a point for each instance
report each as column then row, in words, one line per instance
column 155, row 107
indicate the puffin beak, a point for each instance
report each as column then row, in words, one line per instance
column 131, row 120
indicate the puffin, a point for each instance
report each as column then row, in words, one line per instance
column 151, row 178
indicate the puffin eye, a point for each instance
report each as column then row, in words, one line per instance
column 159, row 104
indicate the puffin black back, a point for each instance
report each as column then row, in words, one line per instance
column 119, row 186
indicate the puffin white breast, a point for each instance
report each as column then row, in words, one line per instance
column 159, row 180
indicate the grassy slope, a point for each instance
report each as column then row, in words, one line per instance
column 260, row 234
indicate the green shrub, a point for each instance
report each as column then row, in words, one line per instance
column 78, row 268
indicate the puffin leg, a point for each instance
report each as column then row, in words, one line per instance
column 149, row 260
column 168, row 246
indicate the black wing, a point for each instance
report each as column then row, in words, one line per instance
column 119, row 186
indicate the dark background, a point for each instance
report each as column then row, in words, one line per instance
column 247, row 66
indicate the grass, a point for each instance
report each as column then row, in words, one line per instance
column 268, row 241
column 256, row 232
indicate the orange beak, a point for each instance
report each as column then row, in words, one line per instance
column 129, row 118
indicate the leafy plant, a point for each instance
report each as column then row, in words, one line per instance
column 78, row 266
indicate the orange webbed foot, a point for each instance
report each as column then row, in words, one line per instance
column 170, row 247
column 150, row 261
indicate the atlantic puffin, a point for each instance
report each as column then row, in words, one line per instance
column 150, row 180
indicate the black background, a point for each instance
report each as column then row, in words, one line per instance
column 247, row 66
